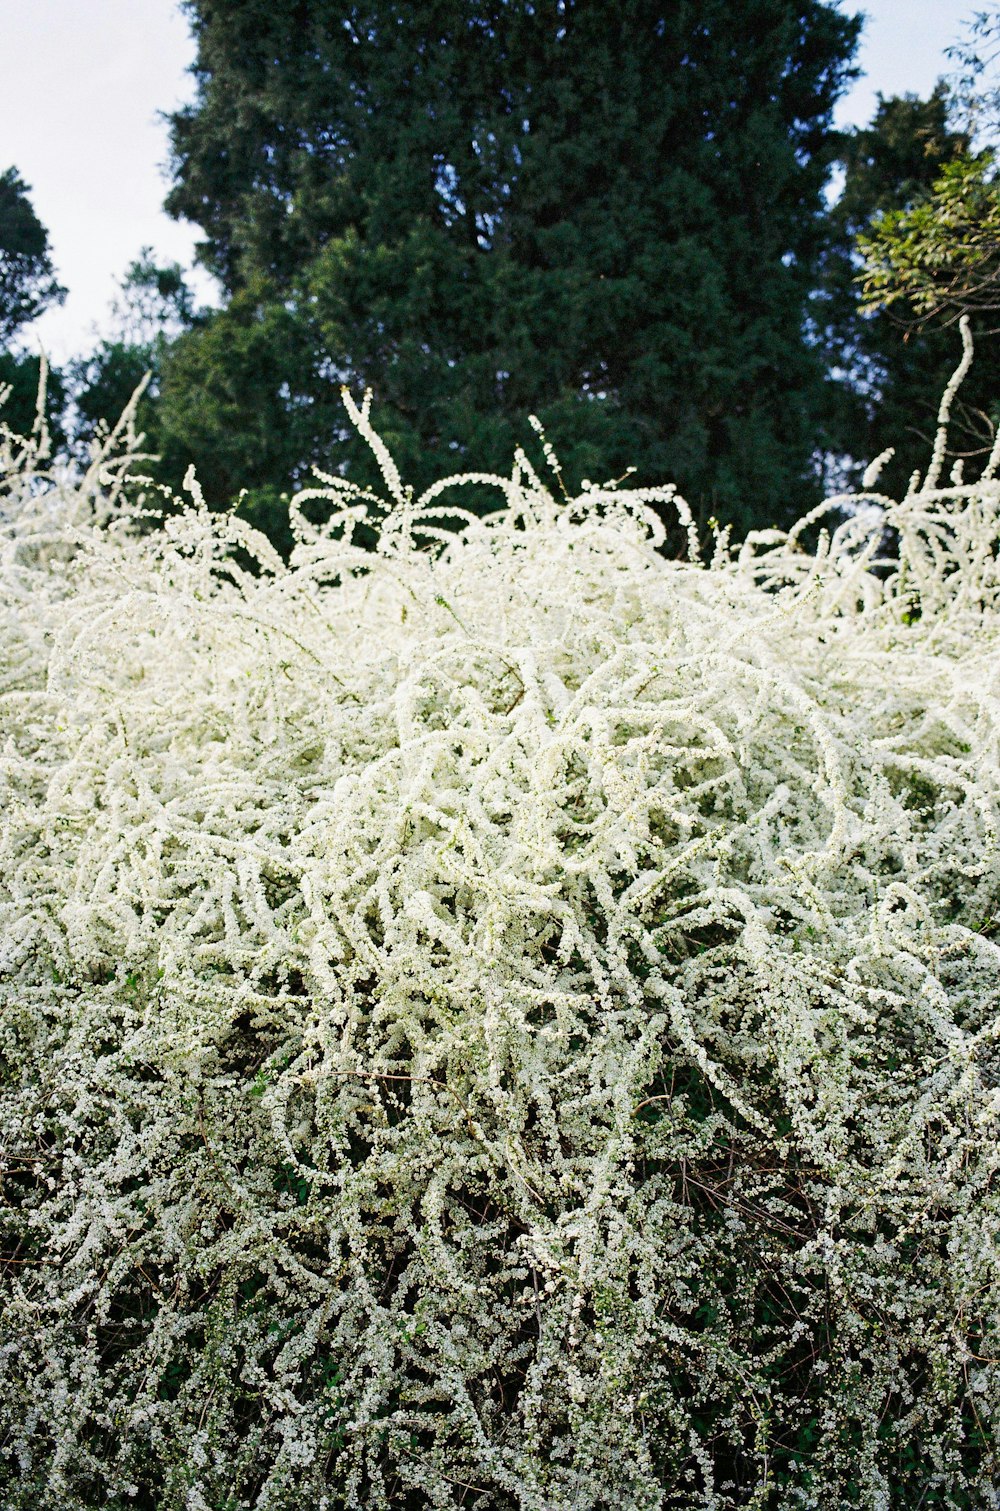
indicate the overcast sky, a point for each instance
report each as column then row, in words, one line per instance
column 81, row 82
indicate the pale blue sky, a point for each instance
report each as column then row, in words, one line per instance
column 81, row 82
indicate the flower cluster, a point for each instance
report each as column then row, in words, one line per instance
column 505, row 1019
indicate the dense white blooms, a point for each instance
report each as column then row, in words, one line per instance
column 506, row 1019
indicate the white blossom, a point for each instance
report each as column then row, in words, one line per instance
column 507, row 1019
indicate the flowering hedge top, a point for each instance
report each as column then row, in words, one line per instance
column 504, row 1009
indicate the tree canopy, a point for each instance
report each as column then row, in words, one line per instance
column 28, row 284
column 154, row 306
column 611, row 216
column 889, row 365
column 934, row 254
column 941, row 254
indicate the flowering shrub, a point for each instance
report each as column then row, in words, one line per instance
column 501, row 1020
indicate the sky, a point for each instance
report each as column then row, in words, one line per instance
column 82, row 83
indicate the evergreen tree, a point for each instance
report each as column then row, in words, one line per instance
column 27, row 287
column 611, row 216
column 27, row 279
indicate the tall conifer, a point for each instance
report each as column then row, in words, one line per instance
column 610, row 215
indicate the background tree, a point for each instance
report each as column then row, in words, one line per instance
column 937, row 257
column 222, row 390
column 28, row 283
column 154, row 306
column 240, row 396
column 975, row 82
column 28, row 286
column 20, row 374
column 609, row 215
column 888, row 364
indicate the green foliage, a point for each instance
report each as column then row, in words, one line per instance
column 103, row 382
column 608, row 215
column 27, row 287
column 21, row 375
column 154, row 306
column 941, row 254
column 890, row 364
column 238, row 397
column 155, row 302
column 27, row 280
